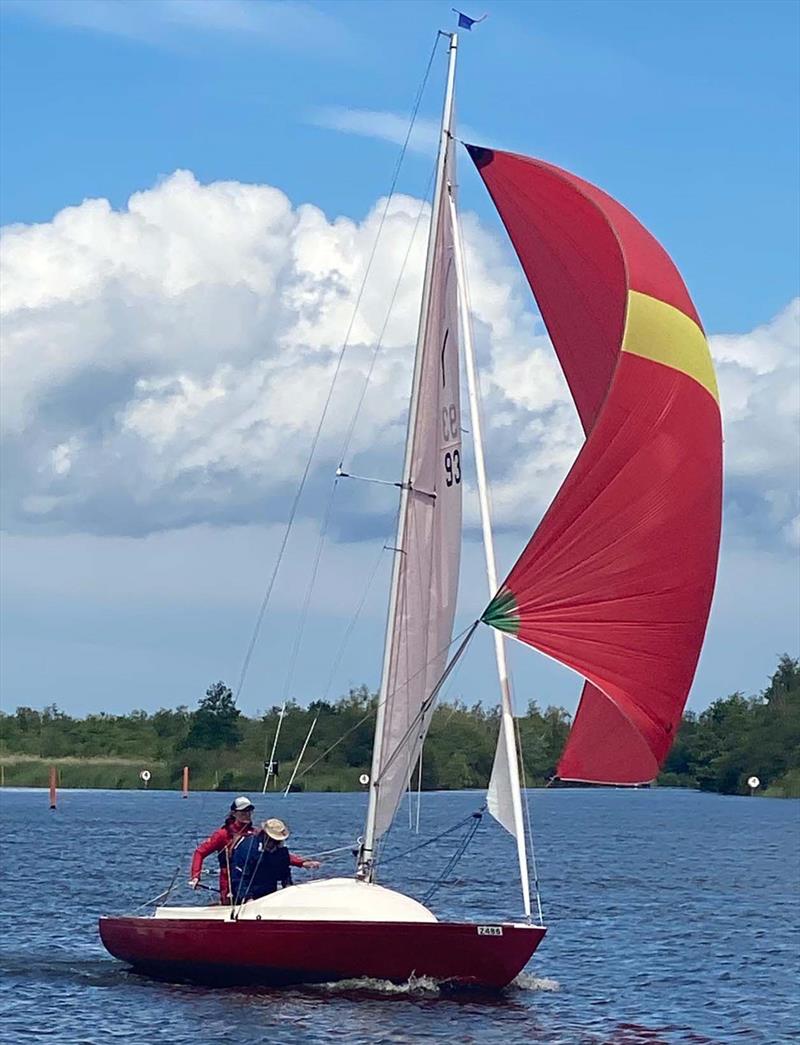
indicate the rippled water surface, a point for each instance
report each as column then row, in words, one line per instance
column 673, row 918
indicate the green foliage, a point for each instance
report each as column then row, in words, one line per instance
column 739, row 737
column 716, row 750
column 216, row 722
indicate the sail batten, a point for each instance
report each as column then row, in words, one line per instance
column 616, row 581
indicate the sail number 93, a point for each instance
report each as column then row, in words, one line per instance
column 452, row 467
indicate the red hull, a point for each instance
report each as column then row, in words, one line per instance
column 274, row 952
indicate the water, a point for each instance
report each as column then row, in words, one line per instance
column 673, row 918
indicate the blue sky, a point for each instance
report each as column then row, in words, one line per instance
column 686, row 112
column 689, row 110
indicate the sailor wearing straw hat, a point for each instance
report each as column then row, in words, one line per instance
column 261, row 862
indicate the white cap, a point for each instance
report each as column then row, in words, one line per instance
column 238, row 805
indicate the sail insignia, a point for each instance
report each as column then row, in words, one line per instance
column 502, row 612
column 658, row 331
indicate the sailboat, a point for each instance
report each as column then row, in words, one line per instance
column 615, row 583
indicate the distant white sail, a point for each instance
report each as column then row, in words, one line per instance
column 428, row 579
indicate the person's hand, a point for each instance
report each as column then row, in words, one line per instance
column 311, row 865
column 194, row 883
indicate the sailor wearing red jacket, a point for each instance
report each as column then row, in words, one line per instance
column 237, row 825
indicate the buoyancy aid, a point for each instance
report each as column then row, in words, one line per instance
column 236, row 830
column 257, row 870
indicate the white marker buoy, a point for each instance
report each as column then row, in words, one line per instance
column 753, row 782
column 364, row 779
column 145, row 776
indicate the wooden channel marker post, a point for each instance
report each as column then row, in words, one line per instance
column 53, row 783
column 185, row 781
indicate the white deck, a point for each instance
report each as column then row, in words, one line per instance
column 333, row 899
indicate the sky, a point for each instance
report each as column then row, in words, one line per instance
column 191, row 192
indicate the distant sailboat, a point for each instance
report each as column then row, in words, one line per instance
column 616, row 581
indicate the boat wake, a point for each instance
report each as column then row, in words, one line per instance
column 418, row 986
column 94, row 972
column 426, row 986
column 528, row 982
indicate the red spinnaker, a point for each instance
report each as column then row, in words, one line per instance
column 617, row 580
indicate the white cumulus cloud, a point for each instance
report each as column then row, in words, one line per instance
column 166, row 365
column 759, row 380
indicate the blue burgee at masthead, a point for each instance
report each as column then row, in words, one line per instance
column 464, row 21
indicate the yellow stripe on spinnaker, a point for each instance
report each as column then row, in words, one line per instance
column 663, row 333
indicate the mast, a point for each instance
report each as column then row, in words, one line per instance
column 366, row 853
column 507, row 715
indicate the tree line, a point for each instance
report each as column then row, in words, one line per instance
column 715, row 750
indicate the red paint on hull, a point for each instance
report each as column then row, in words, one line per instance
column 306, row 951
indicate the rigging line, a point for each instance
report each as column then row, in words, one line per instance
column 379, row 343
column 445, row 689
column 241, row 892
column 436, row 838
column 354, row 620
column 429, row 700
column 329, row 507
column 244, row 887
column 336, row 743
column 163, row 895
column 373, row 710
column 339, row 849
column 459, row 852
column 419, row 721
column 298, row 639
column 529, row 824
column 419, row 718
column 346, row 445
column 445, row 693
column 300, row 757
column 301, row 486
column 309, row 592
column 268, row 767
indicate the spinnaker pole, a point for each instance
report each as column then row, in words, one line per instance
column 507, row 712
column 365, row 867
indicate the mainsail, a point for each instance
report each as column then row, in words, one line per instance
column 431, row 548
column 427, row 556
column 617, row 580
